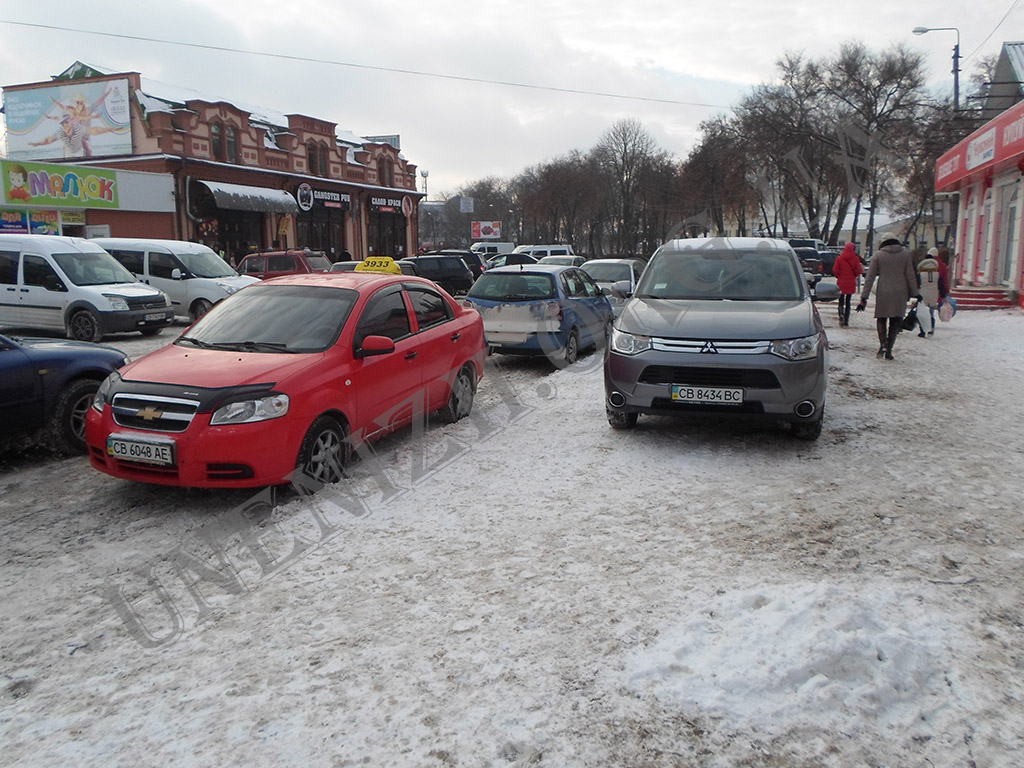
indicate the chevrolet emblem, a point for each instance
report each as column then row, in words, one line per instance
column 149, row 413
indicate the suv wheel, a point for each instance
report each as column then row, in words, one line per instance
column 621, row 419
column 808, row 430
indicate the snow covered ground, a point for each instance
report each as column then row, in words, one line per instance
column 530, row 587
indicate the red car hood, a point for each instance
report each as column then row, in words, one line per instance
column 215, row 368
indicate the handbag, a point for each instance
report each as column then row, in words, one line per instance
column 947, row 310
column 911, row 319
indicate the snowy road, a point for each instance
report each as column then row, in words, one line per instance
column 530, row 587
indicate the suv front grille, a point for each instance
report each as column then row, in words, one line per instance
column 150, row 412
column 750, row 378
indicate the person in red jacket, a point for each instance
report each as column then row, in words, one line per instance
column 846, row 269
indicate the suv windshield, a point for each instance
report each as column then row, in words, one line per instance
column 512, row 286
column 206, row 264
column 274, row 318
column 91, row 268
column 716, row 275
column 318, row 261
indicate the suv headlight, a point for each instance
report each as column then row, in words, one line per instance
column 247, row 411
column 796, row 349
column 117, row 303
column 103, row 393
column 628, row 343
column 228, row 289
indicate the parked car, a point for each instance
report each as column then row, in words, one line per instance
column 565, row 261
column 408, row 267
column 540, row 251
column 811, row 262
column 192, row 275
column 542, row 309
column 808, row 242
column 607, row 272
column 47, row 387
column 492, row 248
column 508, row 259
column 724, row 326
column 68, row 284
column 450, row 272
column 828, row 259
column 288, row 376
column 268, row 264
column 472, row 259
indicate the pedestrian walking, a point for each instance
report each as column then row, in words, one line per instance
column 929, row 288
column 897, row 282
column 846, row 269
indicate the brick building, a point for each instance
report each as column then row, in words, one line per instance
column 240, row 176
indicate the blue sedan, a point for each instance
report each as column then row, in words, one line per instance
column 541, row 309
column 47, row 387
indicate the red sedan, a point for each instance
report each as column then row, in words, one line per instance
column 288, row 375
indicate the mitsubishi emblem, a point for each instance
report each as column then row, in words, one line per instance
column 708, row 349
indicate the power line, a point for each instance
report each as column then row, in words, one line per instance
column 1008, row 12
column 371, row 67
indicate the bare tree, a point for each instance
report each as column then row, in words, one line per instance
column 626, row 151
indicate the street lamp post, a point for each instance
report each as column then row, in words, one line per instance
column 956, row 59
column 424, row 173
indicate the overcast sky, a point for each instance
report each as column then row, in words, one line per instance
column 701, row 56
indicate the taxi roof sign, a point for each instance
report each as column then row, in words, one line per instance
column 379, row 264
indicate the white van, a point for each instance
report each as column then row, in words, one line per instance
column 72, row 285
column 191, row 274
column 540, row 251
column 490, row 248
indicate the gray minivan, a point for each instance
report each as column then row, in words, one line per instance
column 192, row 275
column 68, row 284
column 720, row 326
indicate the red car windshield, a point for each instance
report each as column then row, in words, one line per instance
column 274, row 318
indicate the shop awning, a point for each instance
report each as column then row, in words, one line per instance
column 240, row 197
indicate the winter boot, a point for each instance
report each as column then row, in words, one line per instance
column 882, row 337
column 894, row 329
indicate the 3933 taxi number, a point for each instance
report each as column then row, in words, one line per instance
column 379, row 264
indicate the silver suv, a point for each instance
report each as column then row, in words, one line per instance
column 721, row 326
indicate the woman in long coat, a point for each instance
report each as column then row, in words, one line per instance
column 897, row 282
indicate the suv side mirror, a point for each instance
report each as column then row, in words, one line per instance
column 176, row 274
column 622, row 289
column 826, row 292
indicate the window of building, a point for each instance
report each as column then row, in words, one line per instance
column 230, row 144
column 216, row 140
column 322, row 155
column 311, row 156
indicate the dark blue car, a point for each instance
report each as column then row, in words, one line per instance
column 541, row 309
column 47, row 387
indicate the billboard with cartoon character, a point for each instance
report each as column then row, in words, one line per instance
column 74, row 120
